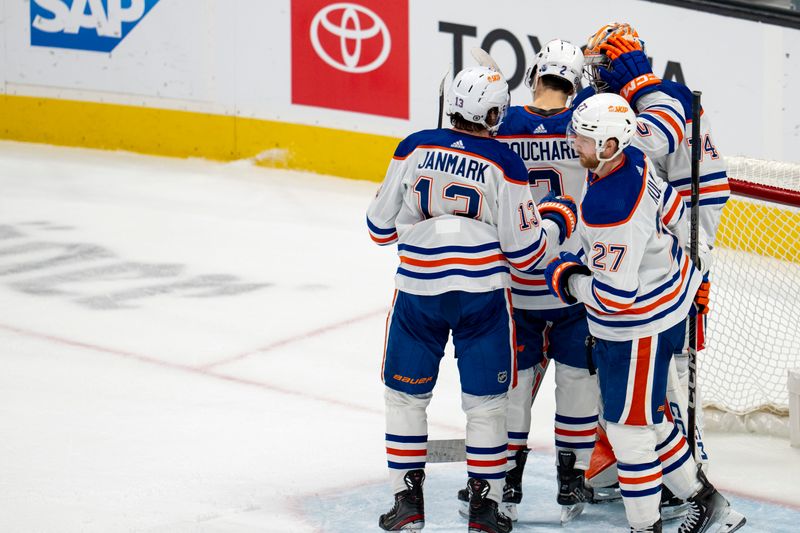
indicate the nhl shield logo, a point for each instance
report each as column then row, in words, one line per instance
column 502, row 377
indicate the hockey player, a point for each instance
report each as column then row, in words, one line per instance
column 637, row 286
column 547, row 328
column 616, row 62
column 458, row 204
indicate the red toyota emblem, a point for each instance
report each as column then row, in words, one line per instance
column 351, row 55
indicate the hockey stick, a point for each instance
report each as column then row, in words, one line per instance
column 484, row 59
column 693, row 252
column 454, row 450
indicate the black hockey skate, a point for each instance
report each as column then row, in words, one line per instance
column 408, row 513
column 672, row 507
column 512, row 490
column 572, row 490
column 483, row 514
column 710, row 511
column 655, row 528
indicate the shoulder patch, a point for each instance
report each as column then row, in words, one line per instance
column 610, row 201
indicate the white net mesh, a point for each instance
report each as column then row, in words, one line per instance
column 754, row 325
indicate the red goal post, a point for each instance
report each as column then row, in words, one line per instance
column 754, row 324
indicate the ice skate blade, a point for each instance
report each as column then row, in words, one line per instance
column 673, row 512
column 606, row 495
column 510, row 510
column 569, row 512
column 732, row 521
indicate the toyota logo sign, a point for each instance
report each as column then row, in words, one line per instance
column 349, row 30
column 344, row 53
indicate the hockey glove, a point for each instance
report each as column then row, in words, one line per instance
column 630, row 74
column 561, row 210
column 558, row 272
column 701, row 298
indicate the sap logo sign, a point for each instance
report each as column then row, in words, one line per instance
column 95, row 25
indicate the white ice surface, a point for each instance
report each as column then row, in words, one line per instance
column 188, row 346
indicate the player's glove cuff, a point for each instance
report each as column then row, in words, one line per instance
column 558, row 272
column 701, row 298
column 561, row 210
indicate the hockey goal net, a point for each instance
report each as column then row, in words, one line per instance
column 754, row 325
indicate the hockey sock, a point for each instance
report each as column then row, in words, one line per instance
column 639, row 472
column 576, row 412
column 487, row 440
column 406, row 434
column 678, row 466
column 518, row 417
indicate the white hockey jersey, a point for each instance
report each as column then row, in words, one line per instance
column 461, row 211
column 634, row 227
column 540, row 139
column 664, row 131
column 676, row 167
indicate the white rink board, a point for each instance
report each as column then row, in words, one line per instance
column 234, row 58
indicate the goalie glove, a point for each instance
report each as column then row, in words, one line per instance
column 630, row 74
column 558, row 272
column 561, row 210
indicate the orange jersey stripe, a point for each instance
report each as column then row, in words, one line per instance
column 452, row 261
column 675, row 125
column 497, row 462
column 405, row 453
column 390, row 238
column 639, row 480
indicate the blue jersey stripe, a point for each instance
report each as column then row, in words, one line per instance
column 576, row 420
column 664, row 286
column 405, row 466
column 453, row 272
column 487, row 451
column 448, row 249
column 517, row 435
column 379, row 231
column 406, row 438
column 708, row 177
column 640, row 493
column 662, row 314
column 479, row 475
column 672, row 110
column 525, row 292
column 611, row 290
column 525, row 251
column 639, row 467
column 714, row 201
column 668, row 439
column 677, row 463
column 657, row 123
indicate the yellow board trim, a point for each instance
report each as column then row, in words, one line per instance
column 188, row 134
column 760, row 229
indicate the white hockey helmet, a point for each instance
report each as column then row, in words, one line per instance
column 602, row 117
column 557, row 58
column 475, row 91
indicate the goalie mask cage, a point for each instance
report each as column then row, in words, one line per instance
column 753, row 333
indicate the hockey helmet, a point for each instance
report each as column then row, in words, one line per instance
column 475, row 91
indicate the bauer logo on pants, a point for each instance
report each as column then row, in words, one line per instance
column 94, row 25
column 351, row 55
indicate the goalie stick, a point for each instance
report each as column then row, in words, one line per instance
column 693, row 252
